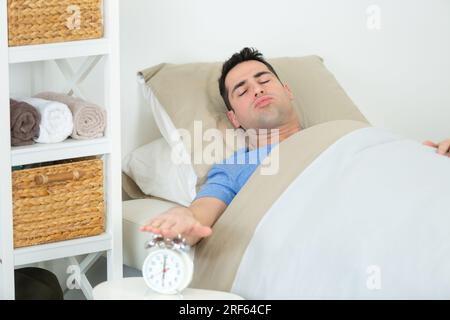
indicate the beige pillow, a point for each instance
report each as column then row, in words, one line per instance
column 189, row 92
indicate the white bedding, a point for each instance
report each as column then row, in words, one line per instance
column 368, row 219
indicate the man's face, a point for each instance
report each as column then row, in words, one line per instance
column 259, row 100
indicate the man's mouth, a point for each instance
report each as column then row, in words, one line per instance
column 262, row 101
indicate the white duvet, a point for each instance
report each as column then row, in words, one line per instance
column 368, row 219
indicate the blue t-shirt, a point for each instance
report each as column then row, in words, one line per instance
column 228, row 177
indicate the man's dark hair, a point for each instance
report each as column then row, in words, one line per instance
column 245, row 54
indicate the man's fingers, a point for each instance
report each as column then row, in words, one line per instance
column 145, row 228
column 444, row 147
column 150, row 229
column 430, row 144
column 167, row 224
column 176, row 229
column 169, row 233
column 196, row 229
column 153, row 225
column 171, row 228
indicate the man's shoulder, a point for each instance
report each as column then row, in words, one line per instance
column 242, row 160
column 231, row 163
column 231, row 159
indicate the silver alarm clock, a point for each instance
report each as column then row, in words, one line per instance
column 168, row 267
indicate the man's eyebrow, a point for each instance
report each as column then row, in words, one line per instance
column 261, row 73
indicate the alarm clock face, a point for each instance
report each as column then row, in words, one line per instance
column 166, row 271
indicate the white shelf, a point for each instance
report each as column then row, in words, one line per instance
column 111, row 241
column 70, row 148
column 62, row 249
column 62, row 50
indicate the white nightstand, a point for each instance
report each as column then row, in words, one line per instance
column 136, row 289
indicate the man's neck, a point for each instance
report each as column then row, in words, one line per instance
column 262, row 137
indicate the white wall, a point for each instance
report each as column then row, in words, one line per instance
column 399, row 76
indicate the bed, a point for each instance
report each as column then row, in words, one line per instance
column 354, row 212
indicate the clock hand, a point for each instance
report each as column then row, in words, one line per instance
column 164, row 270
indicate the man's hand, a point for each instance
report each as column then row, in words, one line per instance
column 442, row 147
column 178, row 220
column 193, row 223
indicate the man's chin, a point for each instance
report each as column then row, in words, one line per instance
column 269, row 119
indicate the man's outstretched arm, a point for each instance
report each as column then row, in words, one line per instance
column 193, row 222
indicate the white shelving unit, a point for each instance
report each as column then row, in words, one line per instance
column 106, row 48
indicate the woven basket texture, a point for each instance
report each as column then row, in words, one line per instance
column 59, row 210
column 39, row 21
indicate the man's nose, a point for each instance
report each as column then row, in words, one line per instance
column 258, row 90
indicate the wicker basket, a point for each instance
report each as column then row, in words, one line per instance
column 58, row 202
column 47, row 21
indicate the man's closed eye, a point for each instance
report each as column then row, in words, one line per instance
column 241, row 94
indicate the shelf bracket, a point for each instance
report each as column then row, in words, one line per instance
column 79, row 273
column 74, row 79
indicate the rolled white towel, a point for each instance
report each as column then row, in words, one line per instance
column 56, row 120
column 89, row 120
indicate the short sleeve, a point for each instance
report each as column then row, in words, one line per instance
column 219, row 184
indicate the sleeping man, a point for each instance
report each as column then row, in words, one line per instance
column 256, row 99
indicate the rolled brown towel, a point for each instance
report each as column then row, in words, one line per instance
column 24, row 121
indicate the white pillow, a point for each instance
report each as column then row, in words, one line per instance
column 153, row 169
column 162, row 119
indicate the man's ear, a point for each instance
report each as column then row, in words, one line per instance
column 232, row 117
column 289, row 92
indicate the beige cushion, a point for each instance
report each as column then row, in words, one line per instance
column 131, row 189
column 135, row 214
column 189, row 92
